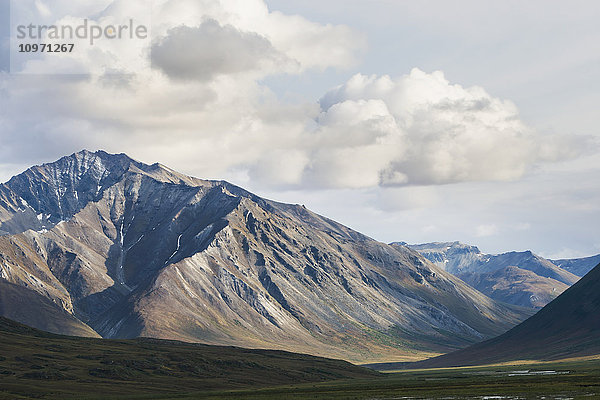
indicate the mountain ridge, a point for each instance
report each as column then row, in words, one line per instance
column 520, row 278
column 141, row 250
column 578, row 266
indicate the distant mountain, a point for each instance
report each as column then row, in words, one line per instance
column 578, row 266
column 140, row 250
column 520, row 278
column 453, row 257
column 35, row 364
column 567, row 327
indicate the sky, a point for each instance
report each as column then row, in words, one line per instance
column 411, row 121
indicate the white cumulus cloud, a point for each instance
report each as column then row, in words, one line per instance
column 486, row 230
column 437, row 132
column 417, row 129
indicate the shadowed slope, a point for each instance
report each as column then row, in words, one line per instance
column 31, row 308
column 567, row 327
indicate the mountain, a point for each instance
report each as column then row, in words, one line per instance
column 140, row 250
column 453, row 257
column 520, row 278
column 35, row 364
column 567, row 327
column 578, row 266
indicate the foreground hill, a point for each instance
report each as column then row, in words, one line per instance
column 140, row 250
column 567, row 327
column 520, row 278
column 35, row 364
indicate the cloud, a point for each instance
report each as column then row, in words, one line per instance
column 315, row 45
column 418, row 129
column 437, row 132
column 210, row 49
column 206, row 111
column 42, row 8
column 486, row 230
column 220, row 119
column 310, row 45
column 407, row 198
column 522, row 226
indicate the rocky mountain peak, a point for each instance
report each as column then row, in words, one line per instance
column 46, row 194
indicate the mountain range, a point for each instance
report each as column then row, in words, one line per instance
column 117, row 248
column 520, row 278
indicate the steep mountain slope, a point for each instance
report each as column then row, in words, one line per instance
column 138, row 250
column 31, row 308
column 520, row 278
column 35, row 364
column 567, row 327
column 578, row 266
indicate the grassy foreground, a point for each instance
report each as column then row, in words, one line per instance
column 34, row 364
column 559, row 380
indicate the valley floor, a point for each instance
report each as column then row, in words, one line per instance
column 575, row 379
column 559, row 380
